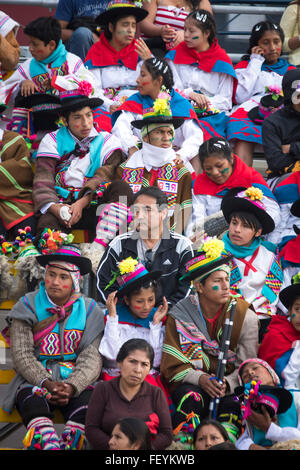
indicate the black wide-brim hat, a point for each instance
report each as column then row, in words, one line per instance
column 140, row 123
column 70, row 254
column 205, row 268
column 288, row 294
column 236, row 204
column 267, row 102
column 282, row 396
column 138, row 282
column 45, row 109
column 74, row 104
column 116, row 11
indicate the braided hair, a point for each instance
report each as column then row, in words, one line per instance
column 160, row 68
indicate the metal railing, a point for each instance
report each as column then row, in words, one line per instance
column 229, row 12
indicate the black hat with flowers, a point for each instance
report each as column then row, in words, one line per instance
column 117, row 8
column 78, row 98
column 249, row 200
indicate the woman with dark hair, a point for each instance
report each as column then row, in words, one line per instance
column 208, row 433
column 223, row 171
column 156, row 75
column 130, row 434
column 131, row 313
column 258, row 91
column 163, row 27
column 129, row 395
column 115, row 60
column 290, row 24
column 203, row 70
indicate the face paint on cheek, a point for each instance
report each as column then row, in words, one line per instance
column 293, row 316
column 225, row 171
column 215, row 288
column 136, row 307
column 195, row 37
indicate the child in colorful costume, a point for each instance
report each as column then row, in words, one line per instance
column 273, row 414
column 281, row 344
column 262, row 67
column 132, row 313
column 203, row 71
column 155, row 164
column 35, row 78
column 256, row 272
column 54, row 333
column 116, row 70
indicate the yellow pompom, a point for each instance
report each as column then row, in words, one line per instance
column 254, row 193
column 213, row 248
column 127, row 265
column 160, row 106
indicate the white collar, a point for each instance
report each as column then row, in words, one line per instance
column 151, row 157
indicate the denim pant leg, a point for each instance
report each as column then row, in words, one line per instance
column 80, row 42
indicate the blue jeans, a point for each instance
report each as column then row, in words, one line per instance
column 80, row 42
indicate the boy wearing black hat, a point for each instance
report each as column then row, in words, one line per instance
column 256, row 272
column 32, row 85
column 74, row 165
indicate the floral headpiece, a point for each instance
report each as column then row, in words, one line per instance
column 254, row 195
column 23, row 240
column 131, row 274
column 209, row 251
column 275, row 91
column 161, row 106
column 52, row 240
column 126, row 266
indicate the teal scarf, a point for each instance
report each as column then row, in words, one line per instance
column 56, row 59
column 55, row 344
column 66, row 144
column 240, row 251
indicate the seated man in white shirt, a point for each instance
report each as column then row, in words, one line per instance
column 74, row 165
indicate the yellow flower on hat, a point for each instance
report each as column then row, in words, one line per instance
column 160, row 106
column 296, row 278
column 213, row 248
column 127, row 265
column 254, row 193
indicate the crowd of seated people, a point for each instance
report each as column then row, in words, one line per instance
column 145, row 142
